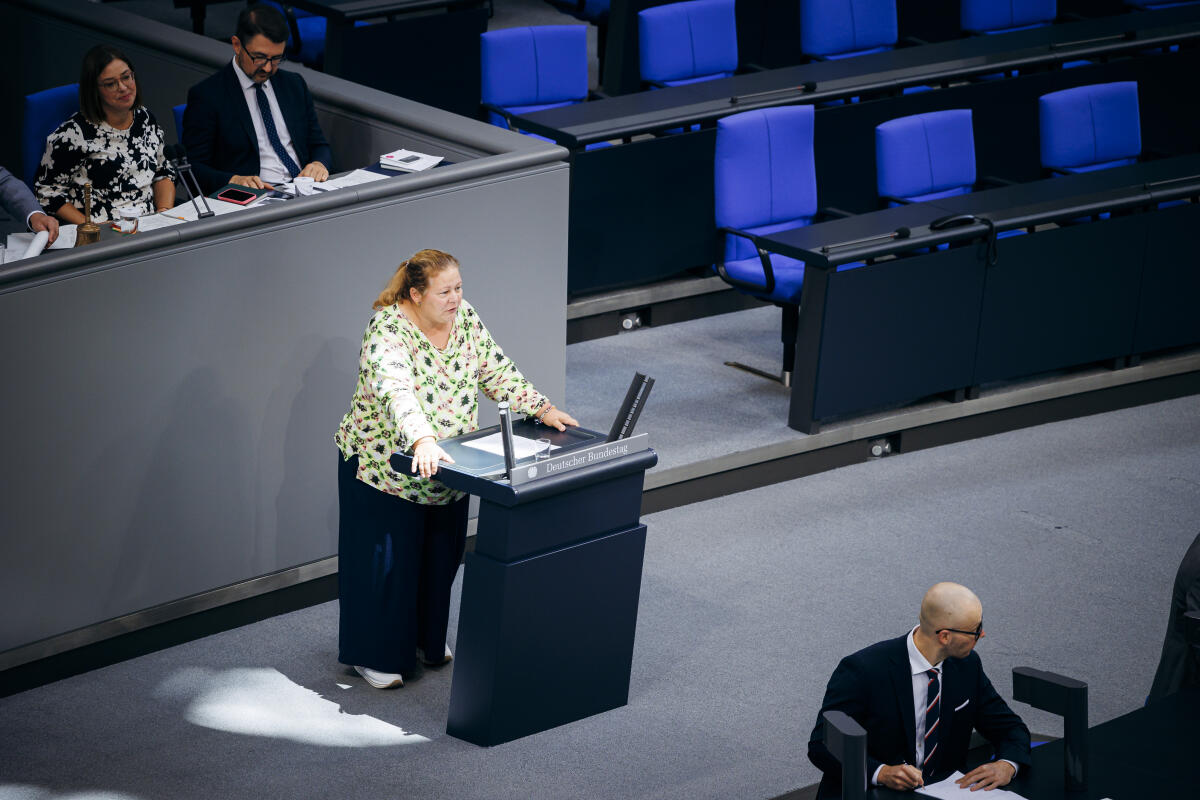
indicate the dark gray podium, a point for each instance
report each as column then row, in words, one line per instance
column 550, row 594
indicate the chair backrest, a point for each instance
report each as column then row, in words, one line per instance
column 764, row 172
column 688, row 42
column 1090, row 127
column 179, row 109
column 838, row 28
column 993, row 16
column 311, row 30
column 43, row 112
column 539, row 66
column 925, row 156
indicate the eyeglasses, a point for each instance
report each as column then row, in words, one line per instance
column 259, row 59
column 976, row 633
column 111, row 84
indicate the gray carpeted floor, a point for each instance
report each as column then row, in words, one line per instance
column 1070, row 532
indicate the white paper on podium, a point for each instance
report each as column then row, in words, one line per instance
column 18, row 244
column 495, row 445
column 355, row 178
column 155, row 222
column 949, row 790
column 37, row 245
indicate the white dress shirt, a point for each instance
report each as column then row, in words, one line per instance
column 270, row 168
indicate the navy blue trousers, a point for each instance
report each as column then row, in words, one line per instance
column 396, row 562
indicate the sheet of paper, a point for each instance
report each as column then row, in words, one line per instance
column 18, row 243
column 355, row 178
column 494, row 444
column 949, row 790
column 155, row 222
column 187, row 211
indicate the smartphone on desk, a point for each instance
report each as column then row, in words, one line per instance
column 239, row 197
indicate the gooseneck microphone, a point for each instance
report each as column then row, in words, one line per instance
column 178, row 158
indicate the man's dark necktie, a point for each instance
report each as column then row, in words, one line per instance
column 933, row 714
column 272, row 134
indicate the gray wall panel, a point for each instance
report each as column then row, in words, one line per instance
column 168, row 417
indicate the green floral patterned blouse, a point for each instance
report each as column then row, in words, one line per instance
column 408, row 389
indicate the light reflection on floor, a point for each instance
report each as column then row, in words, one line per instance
column 264, row 702
column 20, row 791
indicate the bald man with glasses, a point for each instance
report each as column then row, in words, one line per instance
column 919, row 697
column 252, row 123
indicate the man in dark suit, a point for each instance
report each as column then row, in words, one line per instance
column 919, row 697
column 21, row 204
column 251, row 123
column 1179, row 666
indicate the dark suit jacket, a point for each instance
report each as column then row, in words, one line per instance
column 16, row 197
column 874, row 686
column 219, row 135
column 1179, row 666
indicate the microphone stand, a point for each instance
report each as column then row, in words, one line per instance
column 181, row 165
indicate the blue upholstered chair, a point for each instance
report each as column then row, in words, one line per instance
column 1001, row 16
column 687, row 42
column 178, row 111
column 306, row 42
column 765, row 180
column 42, row 113
column 925, row 156
column 1090, row 127
column 831, row 29
column 532, row 69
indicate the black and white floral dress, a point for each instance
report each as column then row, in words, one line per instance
column 121, row 165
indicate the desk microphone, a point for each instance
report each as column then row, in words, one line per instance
column 900, row 233
column 178, row 158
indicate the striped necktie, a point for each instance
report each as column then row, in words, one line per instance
column 933, row 714
column 268, row 119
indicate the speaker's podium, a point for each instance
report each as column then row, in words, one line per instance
column 550, row 594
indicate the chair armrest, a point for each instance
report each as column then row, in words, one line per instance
column 656, row 84
column 912, row 41
column 503, row 113
column 596, row 94
column 752, row 68
column 887, row 198
column 768, row 273
column 1057, row 171
column 829, row 212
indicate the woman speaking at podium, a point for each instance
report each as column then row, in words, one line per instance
column 425, row 355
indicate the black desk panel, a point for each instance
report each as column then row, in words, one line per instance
column 424, row 50
column 1080, row 292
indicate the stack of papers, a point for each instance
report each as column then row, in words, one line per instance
column 408, row 161
column 949, row 790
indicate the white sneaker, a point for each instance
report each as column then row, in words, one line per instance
column 380, row 680
column 444, row 660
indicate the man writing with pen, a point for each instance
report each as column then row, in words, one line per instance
column 919, row 697
column 252, row 123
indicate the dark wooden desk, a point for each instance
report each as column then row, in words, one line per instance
column 897, row 330
column 643, row 211
column 425, row 50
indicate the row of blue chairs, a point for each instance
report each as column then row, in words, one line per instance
column 765, row 174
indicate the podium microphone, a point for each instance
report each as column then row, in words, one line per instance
column 178, row 158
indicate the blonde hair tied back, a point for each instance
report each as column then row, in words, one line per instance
column 414, row 273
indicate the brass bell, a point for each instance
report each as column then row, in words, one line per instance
column 87, row 232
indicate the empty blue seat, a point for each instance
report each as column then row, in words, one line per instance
column 765, row 180
column 832, row 29
column 687, row 42
column 1090, row 127
column 532, row 69
column 42, row 113
column 1001, row 16
column 925, row 156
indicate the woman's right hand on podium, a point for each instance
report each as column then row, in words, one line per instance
column 426, row 455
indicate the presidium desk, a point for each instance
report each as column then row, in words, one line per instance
column 550, row 594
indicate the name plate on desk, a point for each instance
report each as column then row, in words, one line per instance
column 577, row 459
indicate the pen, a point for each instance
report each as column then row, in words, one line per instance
column 172, row 216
